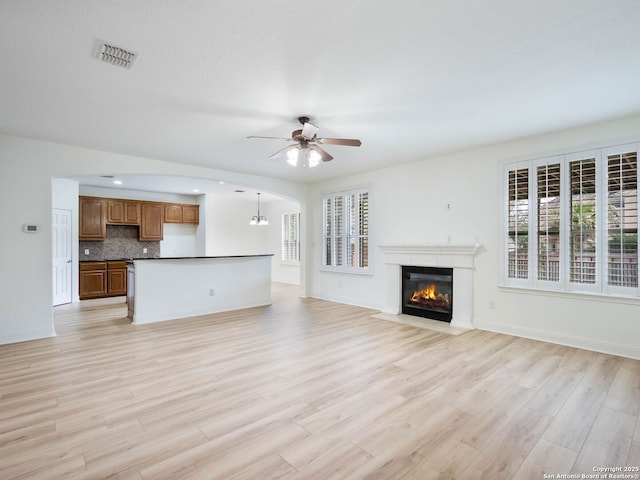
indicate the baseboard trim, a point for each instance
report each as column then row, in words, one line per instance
column 26, row 336
column 621, row 350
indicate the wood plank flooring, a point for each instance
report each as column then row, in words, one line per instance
column 306, row 389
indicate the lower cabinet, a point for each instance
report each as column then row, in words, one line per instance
column 102, row 279
column 116, row 278
column 93, row 280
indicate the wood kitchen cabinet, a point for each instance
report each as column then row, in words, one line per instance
column 151, row 221
column 96, row 213
column 93, row 280
column 172, row 213
column 123, row 212
column 103, row 279
column 92, row 219
column 181, row 213
column 116, row 278
column 191, row 214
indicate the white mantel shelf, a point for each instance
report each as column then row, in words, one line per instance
column 460, row 257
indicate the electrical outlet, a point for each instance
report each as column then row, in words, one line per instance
column 144, row 250
column 492, row 305
column 211, row 292
column 86, row 251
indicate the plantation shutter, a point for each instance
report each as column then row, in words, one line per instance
column 290, row 233
column 346, row 231
column 583, row 219
column 548, row 225
column 358, row 234
column 334, row 231
column 622, row 219
column 518, row 224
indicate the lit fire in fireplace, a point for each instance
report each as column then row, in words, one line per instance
column 430, row 297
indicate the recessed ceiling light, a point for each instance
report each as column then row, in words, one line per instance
column 195, row 190
column 117, row 182
column 221, row 182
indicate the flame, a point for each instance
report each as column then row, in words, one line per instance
column 428, row 293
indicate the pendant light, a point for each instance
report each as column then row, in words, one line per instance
column 258, row 219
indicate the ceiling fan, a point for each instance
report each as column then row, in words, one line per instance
column 307, row 143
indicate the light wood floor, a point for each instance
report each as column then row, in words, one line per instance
column 306, row 389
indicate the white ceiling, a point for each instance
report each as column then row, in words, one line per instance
column 410, row 78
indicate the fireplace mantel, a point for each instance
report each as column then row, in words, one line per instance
column 448, row 255
column 460, row 257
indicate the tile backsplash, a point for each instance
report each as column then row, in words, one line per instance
column 122, row 242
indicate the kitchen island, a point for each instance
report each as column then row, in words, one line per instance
column 160, row 289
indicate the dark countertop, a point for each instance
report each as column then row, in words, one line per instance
column 175, row 258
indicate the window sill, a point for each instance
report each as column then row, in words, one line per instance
column 588, row 296
column 289, row 263
column 361, row 272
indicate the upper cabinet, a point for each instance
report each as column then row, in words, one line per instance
column 96, row 213
column 181, row 213
column 123, row 212
column 151, row 221
column 172, row 213
column 191, row 214
column 92, row 219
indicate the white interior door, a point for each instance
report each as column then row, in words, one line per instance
column 61, row 240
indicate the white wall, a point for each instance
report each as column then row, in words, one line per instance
column 26, row 171
column 229, row 232
column 408, row 205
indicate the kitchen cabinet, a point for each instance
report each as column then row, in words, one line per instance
column 151, row 221
column 93, row 280
column 103, row 279
column 123, row 212
column 191, row 214
column 172, row 213
column 181, row 213
column 92, row 213
column 116, row 278
column 96, row 213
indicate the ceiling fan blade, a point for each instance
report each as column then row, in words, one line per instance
column 309, row 130
column 271, row 138
column 282, row 152
column 349, row 142
column 324, row 156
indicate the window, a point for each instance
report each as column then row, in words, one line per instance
column 571, row 222
column 290, row 242
column 346, row 231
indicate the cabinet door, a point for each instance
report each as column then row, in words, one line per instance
column 172, row 213
column 115, row 211
column 117, row 281
column 151, row 221
column 92, row 219
column 132, row 213
column 123, row 212
column 191, row 214
column 93, row 284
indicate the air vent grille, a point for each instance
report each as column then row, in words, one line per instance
column 115, row 55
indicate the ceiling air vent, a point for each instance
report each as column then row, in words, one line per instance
column 115, row 55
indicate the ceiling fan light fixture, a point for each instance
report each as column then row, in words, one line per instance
column 313, row 158
column 292, row 157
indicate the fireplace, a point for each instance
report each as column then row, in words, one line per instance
column 427, row 292
column 458, row 257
